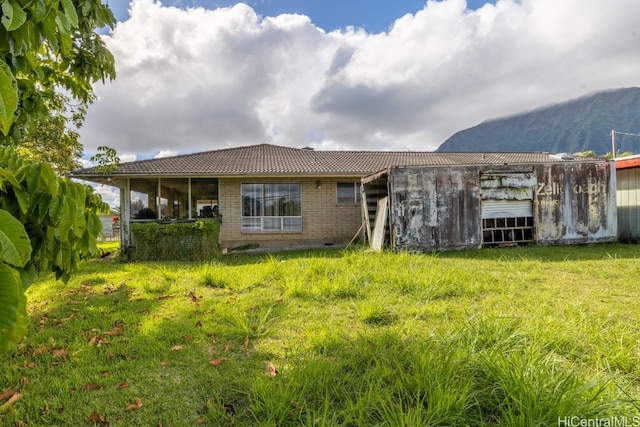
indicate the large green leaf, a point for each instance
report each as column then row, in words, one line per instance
column 70, row 11
column 13, row 16
column 64, row 219
column 8, row 97
column 13, row 312
column 7, row 176
column 15, row 246
column 48, row 179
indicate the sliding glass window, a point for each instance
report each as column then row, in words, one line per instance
column 271, row 207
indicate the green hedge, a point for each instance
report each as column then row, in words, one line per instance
column 182, row 241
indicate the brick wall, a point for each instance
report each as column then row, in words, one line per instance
column 324, row 221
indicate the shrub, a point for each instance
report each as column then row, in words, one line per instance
column 183, row 241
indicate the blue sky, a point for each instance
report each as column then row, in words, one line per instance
column 371, row 15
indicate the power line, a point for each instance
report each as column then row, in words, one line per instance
column 625, row 133
column 613, row 140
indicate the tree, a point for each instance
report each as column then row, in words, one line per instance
column 54, row 138
column 47, row 223
column 47, row 46
column 107, row 160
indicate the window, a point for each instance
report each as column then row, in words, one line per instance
column 271, row 207
column 204, row 197
column 348, row 192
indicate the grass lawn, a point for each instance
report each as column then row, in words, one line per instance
column 546, row 336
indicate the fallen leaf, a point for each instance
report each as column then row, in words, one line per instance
column 98, row 340
column 106, row 373
column 117, row 330
column 122, row 385
column 135, row 406
column 201, row 421
column 198, row 324
column 246, row 341
column 229, row 408
column 166, row 296
column 165, row 363
column 13, row 399
column 25, row 380
column 177, row 347
column 7, row 394
column 39, row 350
column 273, row 371
column 217, row 361
column 91, row 386
column 227, row 347
column 193, row 296
column 60, row 353
column 95, row 417
column 45, row 410
column 187, row 338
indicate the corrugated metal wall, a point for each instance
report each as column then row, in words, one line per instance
column 628, row 201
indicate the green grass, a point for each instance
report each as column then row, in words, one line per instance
column 499, row 337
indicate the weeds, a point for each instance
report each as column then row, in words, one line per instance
column 513, row 337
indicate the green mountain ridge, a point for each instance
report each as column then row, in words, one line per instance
column 577, row 125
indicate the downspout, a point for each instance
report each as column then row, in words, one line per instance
column 189, row 191
column 125, row 215
column 392, row 239
column 159, row 200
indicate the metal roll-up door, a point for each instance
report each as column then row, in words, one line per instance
column 506, row 208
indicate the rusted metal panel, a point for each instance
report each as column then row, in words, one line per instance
column 414, row 212
column 435, row 208
column 440, row 207
column 575, row 203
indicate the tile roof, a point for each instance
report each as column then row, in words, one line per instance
column 267, row 159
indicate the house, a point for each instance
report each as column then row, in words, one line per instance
column 628, row 198
column 493, row 199
column 274, row 196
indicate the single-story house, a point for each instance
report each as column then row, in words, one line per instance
column 275, row 196
column 628, row 198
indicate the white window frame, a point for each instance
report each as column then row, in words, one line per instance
column 270, row 223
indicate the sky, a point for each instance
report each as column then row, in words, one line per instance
column 197, row 75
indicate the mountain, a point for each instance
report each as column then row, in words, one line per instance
column 581, row 124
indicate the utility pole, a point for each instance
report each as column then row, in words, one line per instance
column 613, row 144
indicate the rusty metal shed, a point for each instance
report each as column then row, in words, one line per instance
column 491, row 199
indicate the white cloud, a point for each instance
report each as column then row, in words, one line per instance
column 165, row 153
column 128, row 157
column 196, row 79
column 110, row 195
